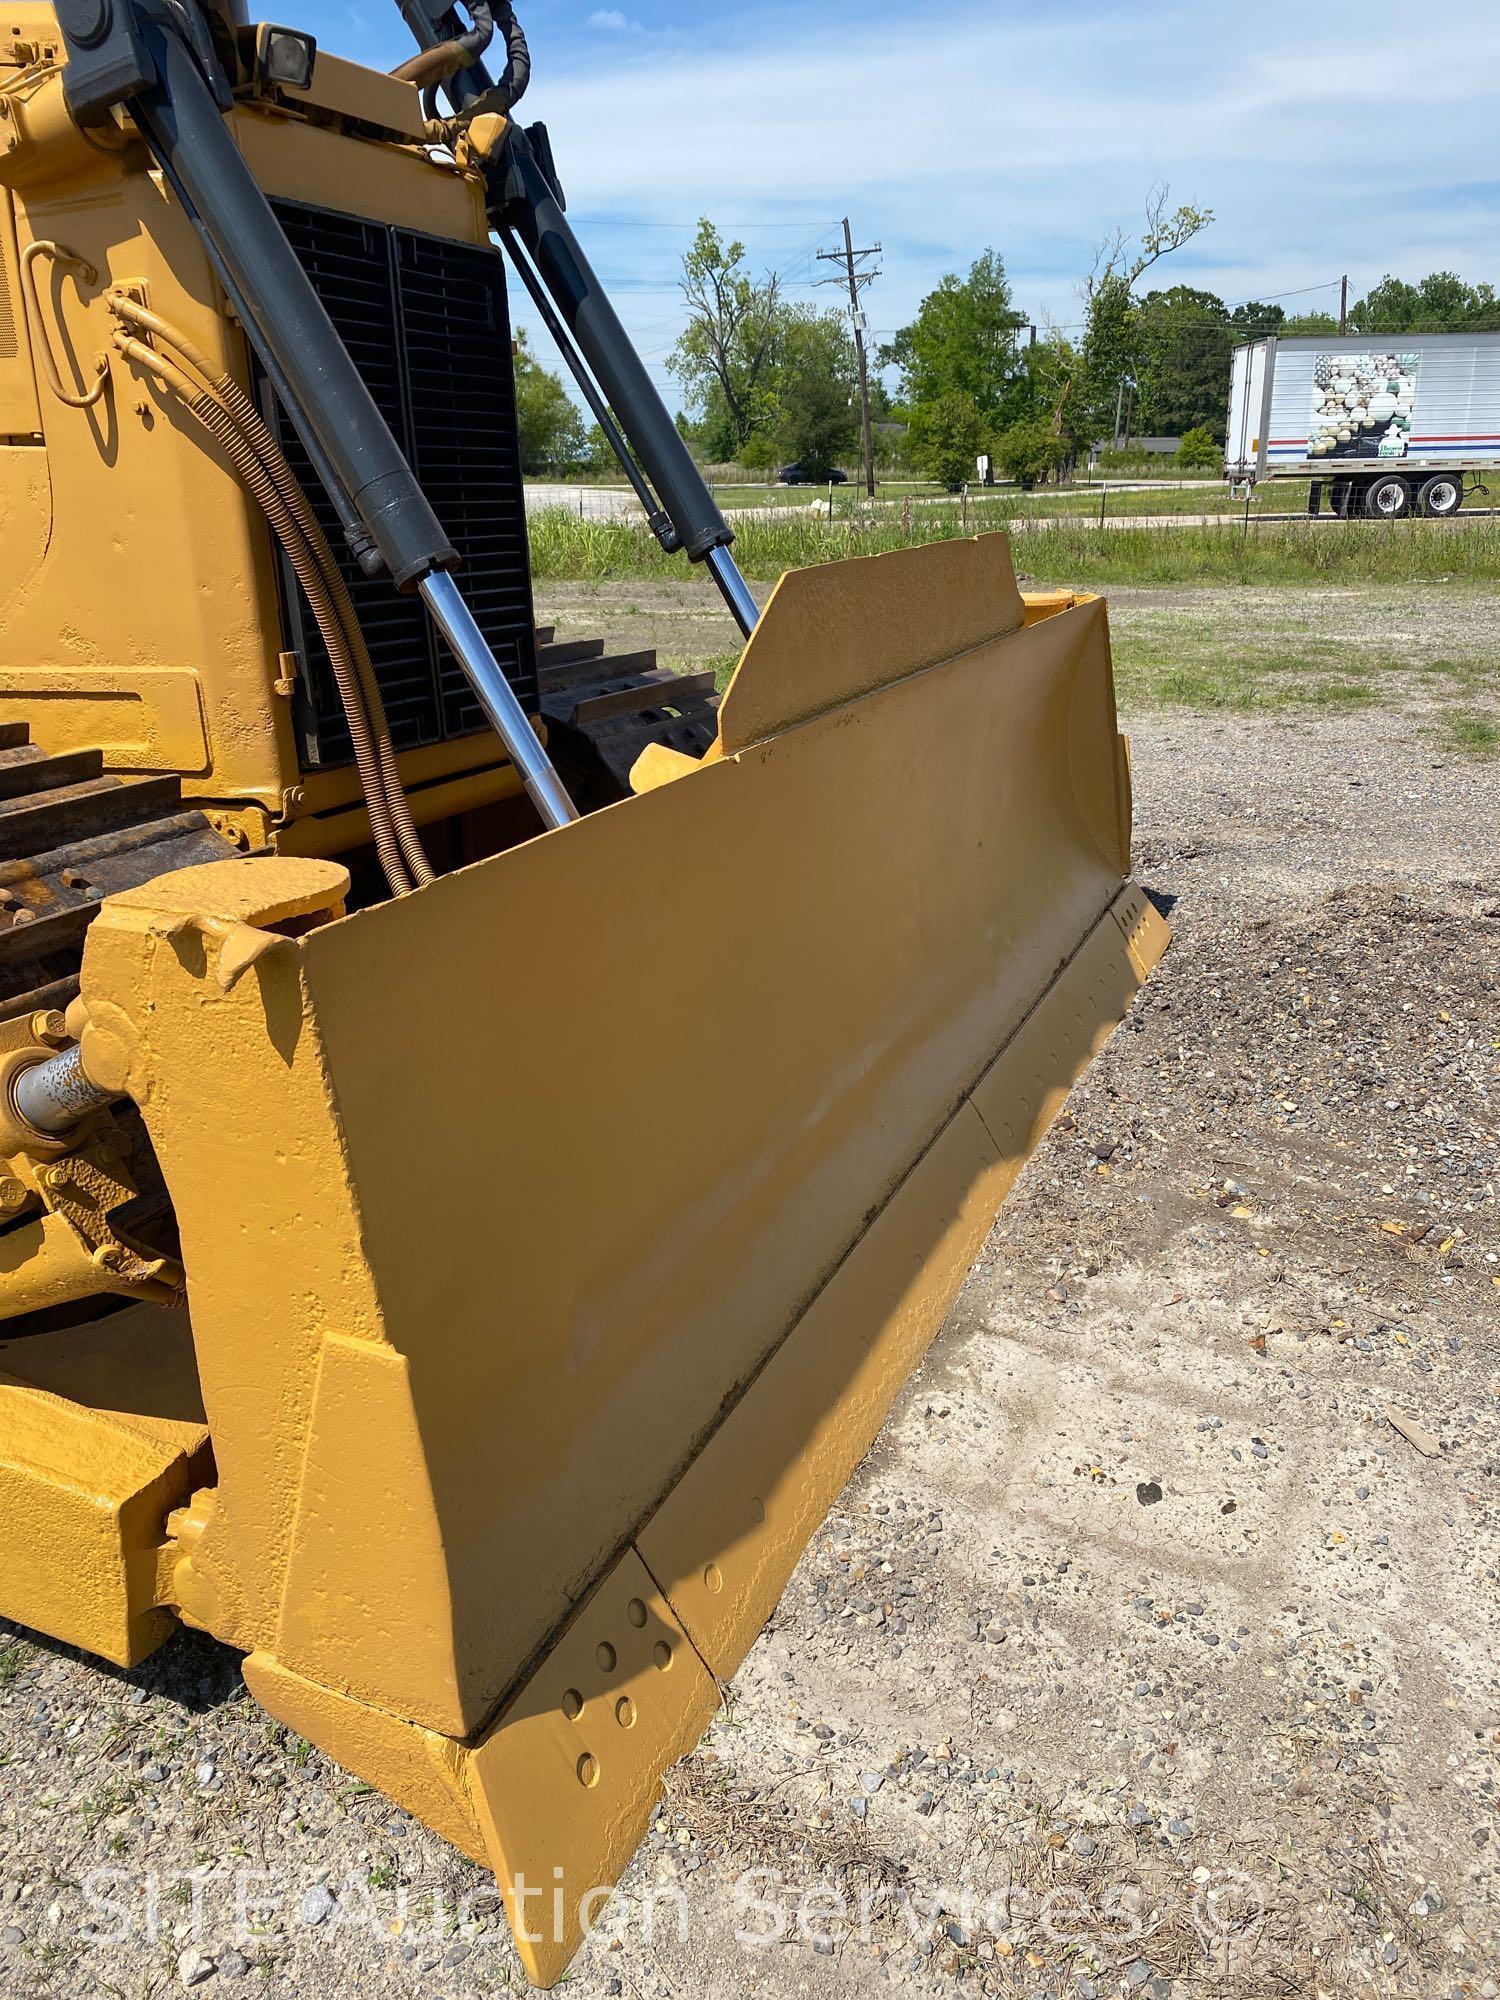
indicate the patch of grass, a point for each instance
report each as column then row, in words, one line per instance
column 723, row 666
column 1394, row 553
column 1475, row 733
column 116, row 1796
column 1186, row 687
column 720, row 665
column 1339, row 694
column 1184, row 661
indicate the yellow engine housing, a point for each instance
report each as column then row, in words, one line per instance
column 140, row 611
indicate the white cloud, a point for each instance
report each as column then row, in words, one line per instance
column 1039, row 134
column 610, row 21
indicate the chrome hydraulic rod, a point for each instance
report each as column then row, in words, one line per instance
column 497, row 697
column 55, row 1094
column 726, row 574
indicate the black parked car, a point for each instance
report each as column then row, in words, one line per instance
column 803, row 475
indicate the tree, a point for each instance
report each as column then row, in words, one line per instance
column 814, row 389
column 599, row 453
column 1254, row 321
column 1029, row 451
column 1199, row 448
column 1109, row 356
column 1111, row 342
column 1183, row 342
column 1120, row 258
column 1050, row 373
column 724, row 353
column 947, row 436
column 1300, row 324
column 963, row 343
column 770, row 381
column 550, row 424
column 1442, row 302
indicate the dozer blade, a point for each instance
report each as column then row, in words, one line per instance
column 559, row 1235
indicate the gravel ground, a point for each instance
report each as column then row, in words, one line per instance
column 1154, row 1647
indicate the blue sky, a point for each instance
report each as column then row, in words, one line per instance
column 1326, row 138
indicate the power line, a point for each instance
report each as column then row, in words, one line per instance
column 851, row 260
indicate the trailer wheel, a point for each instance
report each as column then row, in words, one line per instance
column 1441, row 495
column 1388, row 498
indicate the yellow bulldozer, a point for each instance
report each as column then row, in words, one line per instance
column 486, row 1127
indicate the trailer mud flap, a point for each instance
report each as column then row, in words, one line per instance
column 559, row 1236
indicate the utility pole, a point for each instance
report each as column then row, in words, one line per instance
column 856, row 279
column 1344, row 307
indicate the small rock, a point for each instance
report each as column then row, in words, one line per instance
column 1148, row 1492
column 194, row 1966
column 233, row 1965
column 872, row 1780
column 317, row 1904
column 206, row 1772
column 859, row 1807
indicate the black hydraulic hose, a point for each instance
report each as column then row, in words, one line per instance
column 471, row 88
column 186, row 132
column 517, row 76
column 656, row 515
column 523, row 199
column 479, row 37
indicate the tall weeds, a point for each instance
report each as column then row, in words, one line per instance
column 1402, row 552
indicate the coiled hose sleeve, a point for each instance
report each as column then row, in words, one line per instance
column 243, row 413
column 247, row 465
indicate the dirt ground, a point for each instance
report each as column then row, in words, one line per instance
column 1154, row 1647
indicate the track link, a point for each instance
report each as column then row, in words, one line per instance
column 69, row 836
column 602, row 709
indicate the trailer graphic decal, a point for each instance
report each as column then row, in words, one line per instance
column 1362, row 405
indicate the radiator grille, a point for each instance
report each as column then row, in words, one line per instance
column 426, row 322
column 9, row 346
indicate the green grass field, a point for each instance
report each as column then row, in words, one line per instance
column 1405, row 552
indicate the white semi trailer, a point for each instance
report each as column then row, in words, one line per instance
column 1383, row 424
